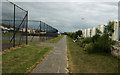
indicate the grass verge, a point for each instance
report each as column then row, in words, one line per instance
column 23, row 60
column 81, row 62
column 54, row 40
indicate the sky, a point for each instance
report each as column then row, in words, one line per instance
column 70, row 16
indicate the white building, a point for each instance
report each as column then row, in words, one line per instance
column 88, row 32
column 83, row 33
column 29, row 30
column 116, row 34
column 93, row 31
column 101, row 28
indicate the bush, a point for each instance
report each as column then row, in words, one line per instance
column 74, row 35
column 103, row 44
column 113, row 42
column 87, row 40
column 89, row 48
column 83, row 41
column 95, row 38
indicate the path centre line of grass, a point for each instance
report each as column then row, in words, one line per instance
column 82, row 62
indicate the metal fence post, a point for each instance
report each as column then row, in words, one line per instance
column 14, row 28
column 44, row 27
column 46, row 31
column 40, row 30
column 26, row 28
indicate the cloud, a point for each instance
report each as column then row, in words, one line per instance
column 67, row 16
column 64, row 0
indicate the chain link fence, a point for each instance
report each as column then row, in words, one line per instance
column 18, row 30
column 40, row 31
column 14, row 25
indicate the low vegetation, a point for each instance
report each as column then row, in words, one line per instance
column 82, row 62
column 74, row 35
column 101, row 42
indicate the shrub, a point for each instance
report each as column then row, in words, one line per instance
column 113, row 42
column 103, row 44
column 89, row 48
column 83, row 41
column 95, row 38
column 99, row 43
column 87, row 40
column 74, row 35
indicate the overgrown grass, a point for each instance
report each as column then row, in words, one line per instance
column 54, row 40
column 23, row 60
column 82, row 62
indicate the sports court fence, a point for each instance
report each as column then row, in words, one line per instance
column 14, row 19
column 40, row 31
column 18, row 30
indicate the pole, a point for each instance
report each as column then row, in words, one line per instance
column 26, row 28
column 44, row 31
column 40, row 30
column 14, row 28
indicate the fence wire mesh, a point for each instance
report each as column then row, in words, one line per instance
column 14, row 21
column 18, row 30
column 40, row 31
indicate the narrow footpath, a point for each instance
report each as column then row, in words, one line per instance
column 55, row 61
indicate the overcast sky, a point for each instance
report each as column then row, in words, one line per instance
column 67, row 16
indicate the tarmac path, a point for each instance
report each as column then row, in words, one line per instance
column 55, row 61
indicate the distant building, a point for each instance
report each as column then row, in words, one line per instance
column 93, row 31
column 33, row 30
column 116, row 34
column 29, row 30
column 59, row 34
column 101, row 28
column 2, row 27
column 88, row 32
column 83, row 33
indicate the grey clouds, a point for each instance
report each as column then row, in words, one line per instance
column 67, row 16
